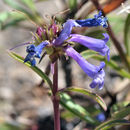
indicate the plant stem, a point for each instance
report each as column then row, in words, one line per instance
column 114, row 39
column 55, row 98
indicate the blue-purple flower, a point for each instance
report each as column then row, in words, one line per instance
column 96, row 21
column 34, row 51
column 95, row 72
column 60, row 43
column 97, row 45
column 101, row 117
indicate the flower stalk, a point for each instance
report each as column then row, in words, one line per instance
column 55, row 99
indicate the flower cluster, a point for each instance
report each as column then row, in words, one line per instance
column 57, row 41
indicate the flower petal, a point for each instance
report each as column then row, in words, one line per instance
column 95, row 72
column 34, row 51
column 65, row 33
column 98, row 45
column 31, row 48
column 98, row 20
column 101, row 117
column 40, row 47
column 33, row 62
column 30, row 57
column 98, row 80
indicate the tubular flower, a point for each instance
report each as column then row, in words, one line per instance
column 34, row 51
column 93, row 43
column 96, row 21
column 57, row 41
column 95, row 72
column 65, row 33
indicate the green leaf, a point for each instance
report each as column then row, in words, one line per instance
column 93, row 109
column 127, row 34
column 73, row 4
column 67, row 115
column 95, row 34
column 9, row 126
column 35, row 69
column 30, row 4
column 88, row 54
column 119, row 106
column 4, row 16
column 111, row 123
column 94, row 96
column 122, row 113
column 116, row 58
column 34, row 17
column 77, row 110
column 16, row 6
column 114, row 66
column 10, row 18
column 110, row 63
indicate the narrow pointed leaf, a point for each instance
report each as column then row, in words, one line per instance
column 10, row 23
column 122, row 113
column 35, row 18
column 30, row 4
column 35, row 69
column 17, row 6
column 73, row 4
column 10, row 18
column 127, row 34
column 77, row 110
column 110, row 63
column 119, row 106
column 94, row 96
column 3, row 16
column 111, row 123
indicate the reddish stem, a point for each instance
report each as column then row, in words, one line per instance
column 55, row 98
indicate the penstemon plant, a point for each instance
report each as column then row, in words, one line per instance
column 57, row 40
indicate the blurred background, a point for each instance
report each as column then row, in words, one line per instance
column 24, row 100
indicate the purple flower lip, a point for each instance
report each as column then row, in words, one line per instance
column 95, row 72
column 65, row 33
column 98, row 45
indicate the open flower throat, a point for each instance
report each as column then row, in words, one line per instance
column 56, row 40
